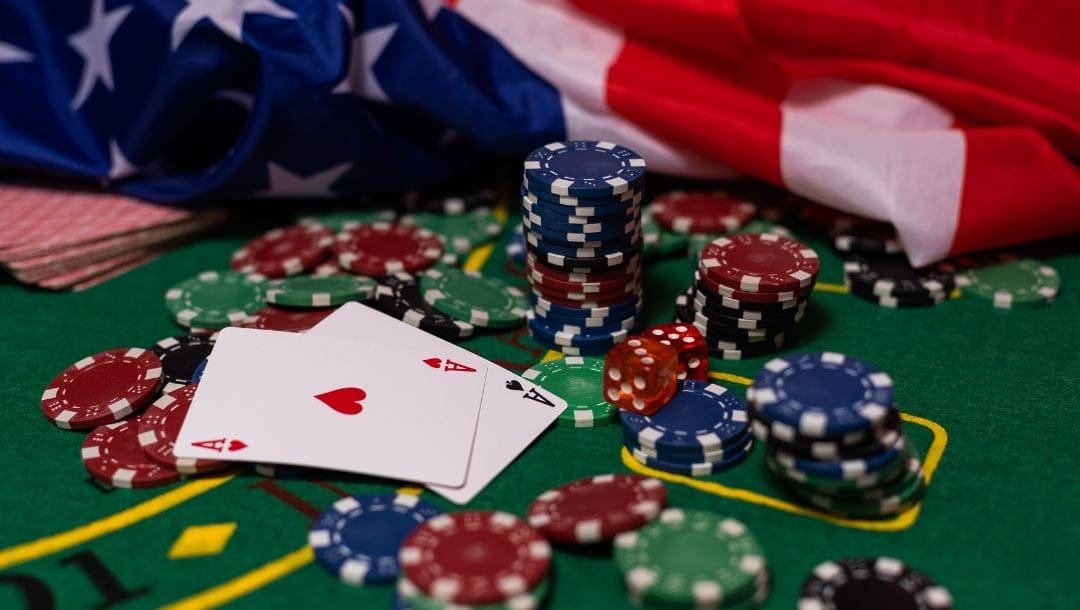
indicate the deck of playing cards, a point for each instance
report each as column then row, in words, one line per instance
column 362, row 392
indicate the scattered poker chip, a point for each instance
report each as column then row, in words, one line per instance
column 337, row 222
column 112, row 455
column 760, row 262
column 469, row 296
column 873, row 239
column 701, row 211
column 380, row 249
column 530, row 600
column 180, row 357
column 215, row 299
column 159, row 425
column 597, row 508
column 820, row 395
column 894, row 277
column 358, row 537
column 1012, row 283
column 284, row 251
column 580, row 168
column 700, row 416
column 579, row 381
column 475, row 557
column 288, row 320
column 694, row 469
column 515, row 245
column 690, row 559
column 326, row 291
column 461, row 232
column 399, row 296
column 199, row 370
column 871, row 582
column 102, row 388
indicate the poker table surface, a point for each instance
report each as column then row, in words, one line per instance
column 990, row 399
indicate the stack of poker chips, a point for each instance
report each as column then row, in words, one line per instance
column 581, row 214
column 891, row 282
column 692, row 559
column 832, row 433
column 749, row 289
column 703, row 430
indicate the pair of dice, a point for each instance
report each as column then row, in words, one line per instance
column 642, row 373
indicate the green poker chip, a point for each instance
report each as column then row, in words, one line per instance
column 216, row 299
column 896, row 496
column 826, row 485
column 461, row 232
column 471, row 297
column 343, row 221
column 691, row 559
column 1012, row 283
column 319, row 291
column 579, row 380
column 528, row 600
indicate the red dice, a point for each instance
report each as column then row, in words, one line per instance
column 641, row 375
column 691, row 346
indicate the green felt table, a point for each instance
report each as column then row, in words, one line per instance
column 991, row 399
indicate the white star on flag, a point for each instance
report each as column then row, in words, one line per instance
column 10, row 54
column 284, row 183
column 366, row 49
column 119, row 166
column 226, row 15
column 92, row 43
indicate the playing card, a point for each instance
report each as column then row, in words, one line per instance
column 338, row 404
column 514, row 412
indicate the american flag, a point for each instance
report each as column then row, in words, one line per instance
column 959, row 122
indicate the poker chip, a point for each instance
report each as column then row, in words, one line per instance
column 584, row 300
column 624, row 199
column 475, row 557
column 399, row 296
column 215, row 299
column 288, row 320
column 894, row 277
column 628, row 307
column 857, row 445
column 102, row 388
column 869, row 239
column 579, row 233
column 416, row 600
column 358, row 537
column 337, row 222
column 820, row 395
column 871, row 582
column 580, row 168
column 573, row 343
column 702, row 417
column 806, row 481
column 579, row 381
column 159, row 426
column 459, row 204
column 573, row 264
column 694, row 469
column 701, row 211
column 469, row 296
column 584, row 250
column 515, row 245
column 1012, row 283
column 583, row 211
column 544, row 213
column 852, row 468
column 380, row 249
column 893, row 302
column 112, row 455
column 581, row 283
column 696, row 242
column 180, row 357
column 596, row 509
column 326, row 291
column 461, row 232
column 759, row 262
column 890, row 498
column 284, row 251
column 691, row 559
column 691, row 455
column 658, row 241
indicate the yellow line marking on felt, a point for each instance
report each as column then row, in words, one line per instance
column 479, row 256
column 247, row 583
column 43, row 547
column 410, row 490
column 901, row 522
column 202, row 540
column 552, row 354
column 826, row 287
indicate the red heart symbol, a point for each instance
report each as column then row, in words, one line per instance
column 434, row 362
column 344, row 400
column 237, row 445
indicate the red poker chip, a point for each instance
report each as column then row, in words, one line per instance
column 538, row 276
column 591, row 302
column 102, row 388
column 159, row 426
column 595, row 509
column 475, row 557
column 760, row 262
column 701, row 211
column 592, row 297
column 381, row 249
column 113, row 456
column 285, row 251
column 784, row 296
column 288, row 320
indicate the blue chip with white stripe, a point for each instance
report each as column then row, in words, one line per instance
column 704, row 417
column 583, row 168
column 694, row 470
column 358, row 537
column 627, row 203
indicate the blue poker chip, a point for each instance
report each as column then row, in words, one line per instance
column 576, row 234
column 820, row 395
column 693, row 455
column 582, row 244
column 695, row 470
column 358, row 537
column 631, row 306
column 847, row 470
column 196, row 377
column 588, row 325
column 582, row 251
column 574, row 344
column 596, row 208
column 583, row 168
column 566, row 216
column 515, row 245
column 701, row 416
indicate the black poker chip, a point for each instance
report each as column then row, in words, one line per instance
column 816, row 449
column 882, row 583
column 884, row 300
column 720, row 301
column 872, row 239
column 398, row 295
column 181, row 356
column 893, row 276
